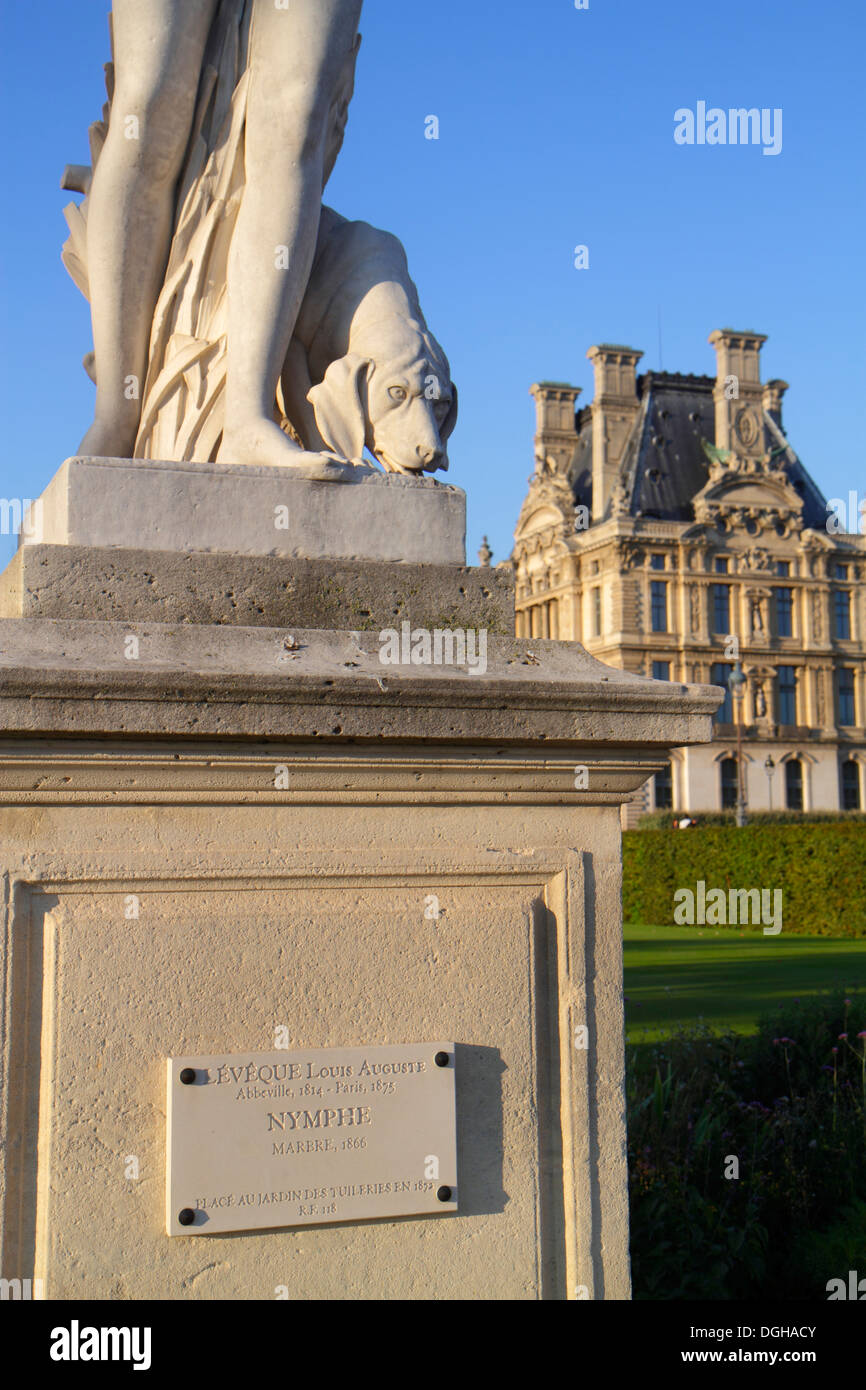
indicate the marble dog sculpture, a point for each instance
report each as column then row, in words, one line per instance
column 363, row 369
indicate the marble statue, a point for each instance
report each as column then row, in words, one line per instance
column 362, row 367
column 233, row 318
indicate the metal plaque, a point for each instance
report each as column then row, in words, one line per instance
column 302, row 1138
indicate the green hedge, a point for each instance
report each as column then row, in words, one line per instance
column 664, row 820
column 820, row 867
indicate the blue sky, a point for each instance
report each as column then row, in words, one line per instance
column 556, row 129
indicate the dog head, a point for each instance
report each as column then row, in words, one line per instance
column 403, row 409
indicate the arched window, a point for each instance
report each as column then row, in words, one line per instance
column 664, row 788
column 729, row 784
column 850, row 786
column 794, row 785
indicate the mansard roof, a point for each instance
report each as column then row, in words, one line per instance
column 665, row 465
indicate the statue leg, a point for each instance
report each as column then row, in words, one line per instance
column 296, row 59
column 159, row 45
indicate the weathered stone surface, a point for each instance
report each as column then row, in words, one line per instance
column 79, row 677
column 84, row 582
column 181, row 927
column 249, row 510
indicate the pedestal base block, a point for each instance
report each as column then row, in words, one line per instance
column 141, row 504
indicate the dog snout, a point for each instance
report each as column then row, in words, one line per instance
column 430, row 455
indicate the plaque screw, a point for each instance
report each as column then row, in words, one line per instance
column 187, row 1076
column 441, row 1059
column 443, row 1193
column 187, row 1215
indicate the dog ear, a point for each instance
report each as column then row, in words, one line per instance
column 338, row 406
column 446, row 429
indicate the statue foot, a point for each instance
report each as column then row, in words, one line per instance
column 263, row 443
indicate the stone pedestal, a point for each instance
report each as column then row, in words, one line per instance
column 89, row 582
column 212, row 831
column 146, row 505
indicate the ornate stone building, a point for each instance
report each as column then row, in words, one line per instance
column 671, row 528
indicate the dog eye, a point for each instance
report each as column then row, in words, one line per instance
column 397, row 393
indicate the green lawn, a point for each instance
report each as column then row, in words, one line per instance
column 677, row 975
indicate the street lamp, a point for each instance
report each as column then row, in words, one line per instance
column 769, row 768
column 736, row 685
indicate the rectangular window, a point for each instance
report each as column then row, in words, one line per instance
column 657, row 562
column 843, row 614
column 596, row 612
column 664, row 789
column 659, row 604
column 722, row 563
column 787, row 677
column 850, row 786
column 661, row 670
column 730, row 788
column 784, row 612
column 845, row 686
column 721, row 608
column 841, row 571
column 794, row 785
column 783, row 568
column 719, row 676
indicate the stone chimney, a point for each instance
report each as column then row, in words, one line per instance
column 773, row 393
column 555, row 434
column 614, row 410
column 738, row 393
